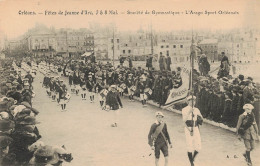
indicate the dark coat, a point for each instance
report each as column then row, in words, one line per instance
column 113, row 100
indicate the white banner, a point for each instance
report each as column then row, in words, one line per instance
column 180, row 93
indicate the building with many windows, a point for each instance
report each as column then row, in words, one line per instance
column 138, row 45
column 210, row 48
column 176, row 46
column 42, row 42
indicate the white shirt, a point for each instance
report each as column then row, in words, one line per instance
column 187, row 116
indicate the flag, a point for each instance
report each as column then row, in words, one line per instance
column 180, row 93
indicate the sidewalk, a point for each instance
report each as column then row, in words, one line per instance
column 221, row 125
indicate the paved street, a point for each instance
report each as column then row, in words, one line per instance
column 85, row 130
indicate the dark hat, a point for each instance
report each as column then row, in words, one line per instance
column 27, row 129
column 241, row 77
column 28, row 120
column 21, row 115
column 26, row 111
column 44, row 154
column 6, row 124
column 26, row 104
column 5, row 141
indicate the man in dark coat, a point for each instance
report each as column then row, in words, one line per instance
column 130, row 62
column 149, row 62
column 204, row 65
column 162, row 62
column 113, row 102
column 168, row 62
column 91, row 88
column 224, row 66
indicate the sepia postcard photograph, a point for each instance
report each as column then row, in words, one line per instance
column 129, row 82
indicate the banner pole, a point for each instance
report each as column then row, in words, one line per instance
column 193, row 53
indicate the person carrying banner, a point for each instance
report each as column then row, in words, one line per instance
column 192, row 118
column 247, row 130
column 158, row 138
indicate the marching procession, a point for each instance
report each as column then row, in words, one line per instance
column 221, row 99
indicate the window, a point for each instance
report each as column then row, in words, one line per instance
column 174, row 46
column 123, row 51
column 238, row 46
column 167, row 46
column 161, row 46
column 112, row 40
column 126, row 45
column 117, row 40
column 181, row 46
column 129, row 51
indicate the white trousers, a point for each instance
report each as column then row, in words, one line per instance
column 130, row 92
column 193, row 142
column 143, row 96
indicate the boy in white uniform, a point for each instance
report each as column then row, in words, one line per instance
column 190, row 118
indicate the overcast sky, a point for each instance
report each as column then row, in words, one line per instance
column 12, row 24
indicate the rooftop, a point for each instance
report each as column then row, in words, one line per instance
column 209, row 41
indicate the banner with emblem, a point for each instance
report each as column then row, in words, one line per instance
column 177, row 94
